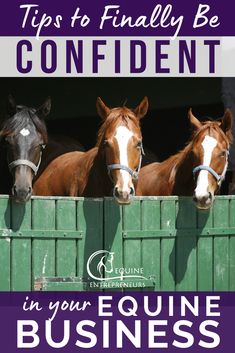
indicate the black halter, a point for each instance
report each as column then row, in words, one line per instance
column 134, row 173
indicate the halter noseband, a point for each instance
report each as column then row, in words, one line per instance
column 218, row 177
column 134, row 173
column 29, row 164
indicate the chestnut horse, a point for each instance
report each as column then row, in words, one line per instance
column 112, row 167
column 196, row 171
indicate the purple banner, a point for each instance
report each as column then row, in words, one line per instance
column 117, row 18
column 134, row 322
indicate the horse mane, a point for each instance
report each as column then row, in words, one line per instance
column 117, row 116
column 13, row 125
column 177, row 159
column 213, row 125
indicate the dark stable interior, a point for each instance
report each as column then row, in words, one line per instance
column 165, row 129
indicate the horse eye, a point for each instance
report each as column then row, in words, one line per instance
column 223, row 154
column 7, row 141
column 139, row 145
column 106, row 143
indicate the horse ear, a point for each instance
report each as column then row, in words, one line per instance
column 227, row 122
column 142, row 108
column 102, row 109
column 11, row 105
column 45, row 109
column 193, row 120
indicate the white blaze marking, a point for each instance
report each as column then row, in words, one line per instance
column 25, row 132
column 208, row 144
column 123, row 135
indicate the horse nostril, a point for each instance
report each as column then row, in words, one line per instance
column 203, row 198
column 14, row 190
column 30, row 190
column 116, row 193
column 132, row 191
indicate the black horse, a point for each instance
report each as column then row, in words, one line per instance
column 23, row 138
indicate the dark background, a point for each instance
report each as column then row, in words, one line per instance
column 165, row 128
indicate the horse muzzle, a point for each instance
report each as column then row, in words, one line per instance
column 123, row 197
column 204, row 202
column 22, row 194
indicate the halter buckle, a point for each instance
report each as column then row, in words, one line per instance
column 135, row 175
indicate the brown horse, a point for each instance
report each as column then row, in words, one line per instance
column 198, row 170
column 23, row 156
column 23, row 136
column 110, row 167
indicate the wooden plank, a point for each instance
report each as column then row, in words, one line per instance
column 232, row 264
column 20, row 216
column 151, row 261
column 168, row 246
column 46, row 233
column 21, row 248
column 205, row 264
column 132, row 258
column 221, row 264
column 5, row 212
column 43, row 214
column 66, row 215
column 132, row 216
column 113, row 241
column 67, row 287
column 186, row 214
column 204, row 219
column 194, row 232
column 133, row 234
column 90, row 221
column 5, row 245
column 43, row 250
column 151, row 220
column 186, row 271
column 66, row 252
column 232, row 213
column 132, row 219
column 168, row 214
column 5, row 264
column 168, row 264
column 221, row 213
column 221, row 245
column 21, row 265
column 66, row 258
column 150, row 211
column 232, row 246
column 132, row 254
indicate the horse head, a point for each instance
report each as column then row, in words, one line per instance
column 120, row 140
column 210, row 148
column 106, row 260
column 25, row 135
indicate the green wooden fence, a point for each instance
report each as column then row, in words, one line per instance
column 47, row 243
